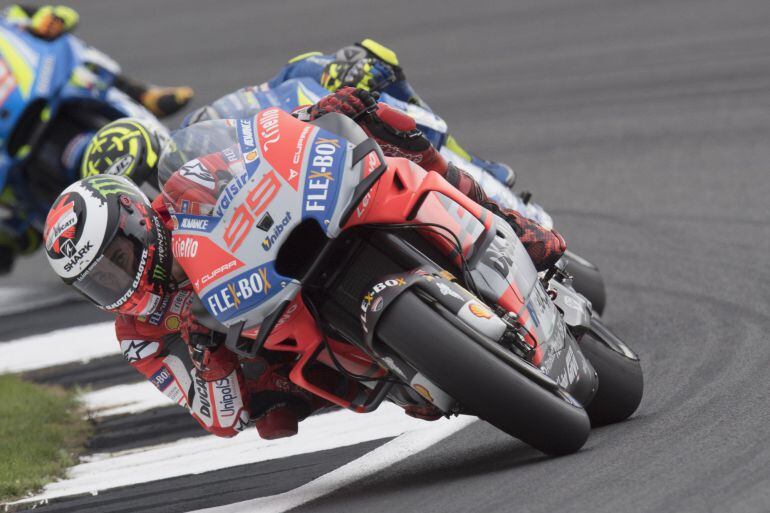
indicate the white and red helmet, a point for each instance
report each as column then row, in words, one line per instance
column 103, row 238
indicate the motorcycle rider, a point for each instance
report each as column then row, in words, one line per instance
column 49, row 22
column 104, row 238
column 17, row 235
column 366, row 65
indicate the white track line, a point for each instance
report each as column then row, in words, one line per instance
column 15, row 300
column 384, row 456
column 203, row 454
column 122, row 399
column 58, row 347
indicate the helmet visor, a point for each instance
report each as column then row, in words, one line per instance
column 117, row 274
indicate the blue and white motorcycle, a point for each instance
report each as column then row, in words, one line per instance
column 53, row 96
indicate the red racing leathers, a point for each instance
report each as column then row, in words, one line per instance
column 153, row 345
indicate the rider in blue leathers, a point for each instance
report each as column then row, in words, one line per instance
column 18, row 233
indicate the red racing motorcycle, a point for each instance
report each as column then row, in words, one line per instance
column 321, row 247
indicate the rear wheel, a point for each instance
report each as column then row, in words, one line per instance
column 478, row 379
column 620, row 376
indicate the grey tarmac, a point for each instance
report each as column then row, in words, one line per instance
column 644, row 128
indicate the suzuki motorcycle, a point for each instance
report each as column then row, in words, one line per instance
column 294, row 93
column 53, row 96
column 322, row 247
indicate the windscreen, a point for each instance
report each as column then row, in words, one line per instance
column 197, row 141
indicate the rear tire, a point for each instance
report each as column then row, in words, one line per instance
column 480, row 381
column 621, row 383
column 587, row 280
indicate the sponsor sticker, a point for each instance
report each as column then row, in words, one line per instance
column 325, row 159
column 420, row 389
column 135, row 350
column 162, row 378
column 446, row 290
column 241, row 293
column 120, row 165
column 157, row 316
column 172, row 322
column 370, row 300
column 180, row 300
column 371, row 162
column 184, row 247
column 227, row 398
column 247, row 141
column 479, row 310
column 271, row 239
column 201, row 224
column 269, row 127
column 68, row 248
column 62, row 221
column 226, row 196
column 202, row 402
column 197, row 173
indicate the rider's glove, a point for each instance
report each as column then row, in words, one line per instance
column 394, row 131
column 49, row 22
column 207, row 351
column 368, row 65
column 349, row 101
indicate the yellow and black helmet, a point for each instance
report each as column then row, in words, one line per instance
column 127, row 147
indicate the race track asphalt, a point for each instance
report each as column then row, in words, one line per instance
column 644, row 128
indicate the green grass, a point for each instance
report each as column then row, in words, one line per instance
column 41, row 430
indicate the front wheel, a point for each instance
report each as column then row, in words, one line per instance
column 620, row 375
column 479, row 380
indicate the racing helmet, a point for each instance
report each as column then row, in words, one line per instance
column 103, row 238
column 126, row 147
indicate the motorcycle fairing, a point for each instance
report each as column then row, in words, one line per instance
column 295, row 171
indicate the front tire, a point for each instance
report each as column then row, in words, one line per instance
column 479, row 380
column 621, row 383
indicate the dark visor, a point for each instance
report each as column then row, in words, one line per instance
column 116, row 274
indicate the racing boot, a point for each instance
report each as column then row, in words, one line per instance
column 161, row 101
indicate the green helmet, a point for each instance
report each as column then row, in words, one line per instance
column 127, row 147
